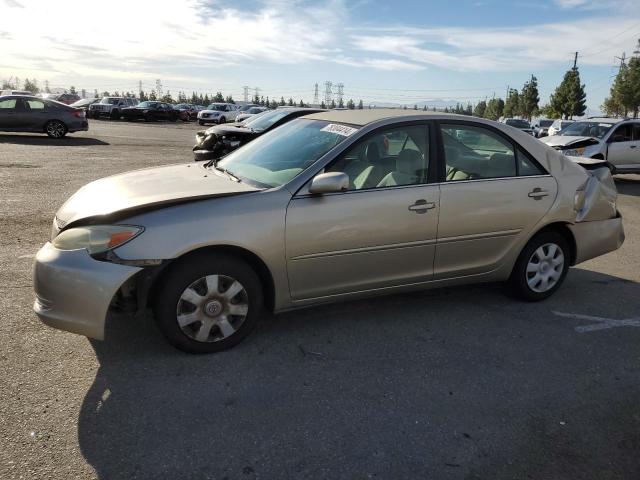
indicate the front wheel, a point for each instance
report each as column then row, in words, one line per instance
column 222, row 120
column 541, row 267
column 55, row 129
column 208, row 303
column 200, row 122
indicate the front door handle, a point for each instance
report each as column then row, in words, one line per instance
column 537, row 193
column 422, row 206
column 633, row 146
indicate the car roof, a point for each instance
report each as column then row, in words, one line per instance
column 366, row 116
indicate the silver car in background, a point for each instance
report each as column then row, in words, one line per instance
column 331, row 206
column 614, row 140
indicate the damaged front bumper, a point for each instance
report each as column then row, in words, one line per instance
column 74, row 291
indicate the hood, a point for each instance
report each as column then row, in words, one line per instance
column 565, row 141
column 150, row 187
column 228, row 129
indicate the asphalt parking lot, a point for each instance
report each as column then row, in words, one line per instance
column 443, row 384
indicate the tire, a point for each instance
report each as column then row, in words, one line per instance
column 200, row 122
column 148, row 117
column 55, row 129
column 222, row 120
column 201, row 278
column 115, row 114
column 531, row 283
column 174, row 118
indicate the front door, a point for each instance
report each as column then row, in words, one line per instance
column 624, row 147
column 379, row 233
column 493, row 194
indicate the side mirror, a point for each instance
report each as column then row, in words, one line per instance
column 329, row 182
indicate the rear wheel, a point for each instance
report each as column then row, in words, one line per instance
column 200, row 122
column 55, row 129
column 222, row 120
column 541, row 267
column 115, row 114
column 208, row 303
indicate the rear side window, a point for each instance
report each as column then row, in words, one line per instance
column 476, row 153
column 35, row 105
column 636, row 132
column 622, row 134
column 8, row 104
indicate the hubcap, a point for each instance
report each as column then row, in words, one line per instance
column 212, row 308
column 545, row 267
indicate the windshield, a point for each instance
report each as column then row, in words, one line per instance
column 275, row 158
column 244, row 108
column 586, row 129
column 213, row 106
column 517, row 123
column 254, row 110
column 265, row 120
column 546, row 123
column 110, row 100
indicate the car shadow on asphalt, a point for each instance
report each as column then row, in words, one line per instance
column 67, row 141
column 628, row 185
column 446, row 383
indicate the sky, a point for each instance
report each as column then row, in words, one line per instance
column 398, row 52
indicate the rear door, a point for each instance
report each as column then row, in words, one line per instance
column 35, row 114
column 493, row 193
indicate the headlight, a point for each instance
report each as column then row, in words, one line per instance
column 96, row 239
column 574, row 152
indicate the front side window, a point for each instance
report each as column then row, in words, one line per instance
column 636, row 132
column 476, row 152
column 393, row 157
column 278, row 156
column 623, row 133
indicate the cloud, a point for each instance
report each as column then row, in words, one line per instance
column 12, row 3
column 494, row 49
column 609, row 5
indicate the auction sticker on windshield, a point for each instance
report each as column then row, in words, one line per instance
column 339, row 129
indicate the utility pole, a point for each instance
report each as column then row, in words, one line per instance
column 246, row 93
column 622, row 59
column 508, row 92
column 340, row 92
column 327, row 92
column 575, row 61
column 139, row 86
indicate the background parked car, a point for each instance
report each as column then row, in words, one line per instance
column 150, row 111
column 558, row 125
column 187, row 111
column 616, row 141
column 250, row 113
column 215, row 142
column 111, row 107
column 85, row 103
column 519, row 124
column 32, row 114
column 541, row 127
column 218, row 113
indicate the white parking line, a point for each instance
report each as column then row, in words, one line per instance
column 602, row 323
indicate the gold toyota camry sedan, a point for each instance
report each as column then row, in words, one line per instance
column 331, row 206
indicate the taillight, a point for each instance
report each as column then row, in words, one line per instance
column 79, row 113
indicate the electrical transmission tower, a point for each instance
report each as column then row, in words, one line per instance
column 340, row 93
column 159, row 92
column 257, row 93
column 316, row 100
column 328, row 94
column 246, row 93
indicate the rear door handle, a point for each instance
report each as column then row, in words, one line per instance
column 633, row 146
column 537, row 193
column 422, row 206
